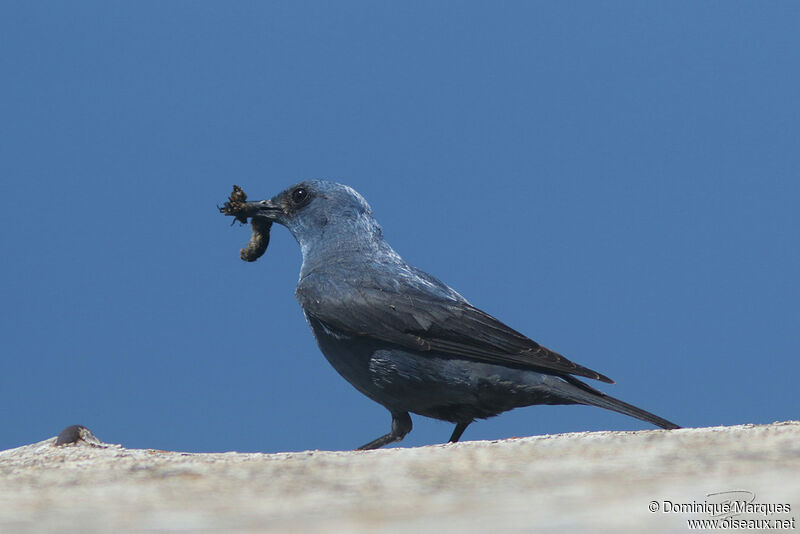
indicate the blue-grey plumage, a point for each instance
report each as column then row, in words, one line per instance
column 404, row 338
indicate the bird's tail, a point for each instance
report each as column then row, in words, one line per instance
column 582, row 393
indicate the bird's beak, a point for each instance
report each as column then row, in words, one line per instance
column 263, row 208
column 242, row 209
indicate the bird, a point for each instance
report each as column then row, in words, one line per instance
column 402, row 337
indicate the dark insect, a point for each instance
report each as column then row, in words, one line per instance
column 237, row 207
column 258, row 241
column 75, row 434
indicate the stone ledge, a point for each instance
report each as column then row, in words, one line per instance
column 592, row 481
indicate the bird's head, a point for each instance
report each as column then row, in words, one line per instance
column 320, row 215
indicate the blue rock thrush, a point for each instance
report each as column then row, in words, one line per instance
column 402, row 337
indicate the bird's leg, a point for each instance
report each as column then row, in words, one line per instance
column 459, row 429
column 401, row 425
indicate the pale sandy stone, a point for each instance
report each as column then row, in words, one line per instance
column 581, row 482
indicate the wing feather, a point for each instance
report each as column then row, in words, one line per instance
column 425, row 321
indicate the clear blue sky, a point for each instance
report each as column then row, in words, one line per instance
column 618, row 180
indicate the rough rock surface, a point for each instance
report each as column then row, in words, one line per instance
column 582, row 482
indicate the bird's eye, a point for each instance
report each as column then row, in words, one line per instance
column 299, row 195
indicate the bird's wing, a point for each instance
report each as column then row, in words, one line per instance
column 422, row 321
